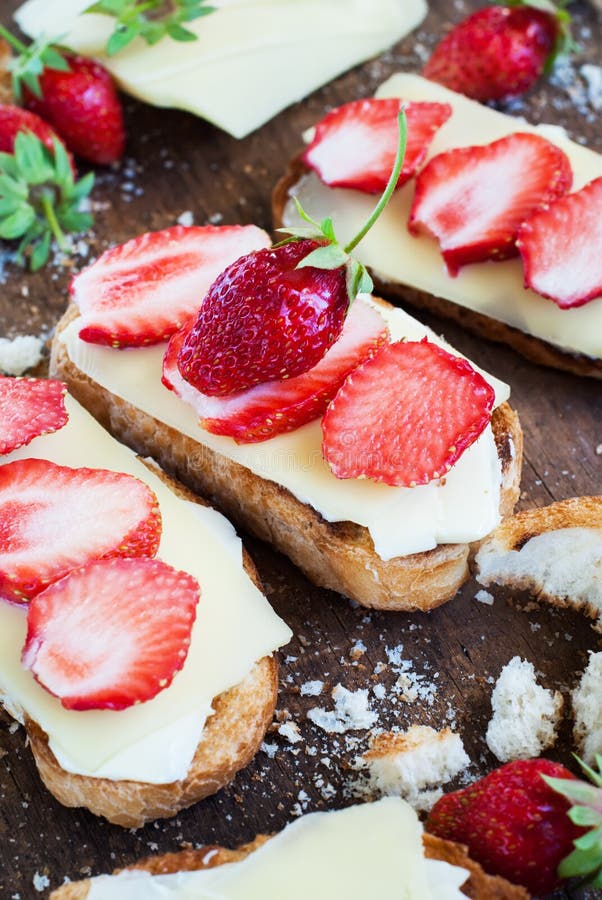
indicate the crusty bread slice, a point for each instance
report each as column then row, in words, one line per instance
column 479, row 886
column 339, row 555
column 564, row 569
column 230, row 739
column 533, row 348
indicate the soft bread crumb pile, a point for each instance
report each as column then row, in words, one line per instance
column 351, row 712
column 413, row 764
column 564, row 565
column 587, row 709
column 525, row 714
column 19, row 354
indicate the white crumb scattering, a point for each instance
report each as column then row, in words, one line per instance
column 599, row 450
column 40, row 882
column 565, row 564
column 312, row 688
column 525, row 714
column 380, row 691
column 269, row 749
column 484, row 597
column 290, row 731
column 19, row 354
column 592, row 76
column 587, row 709
column 410, row 685
column 351, row 712
column 412, row 764
column 357, row 650
column 186, row 218
column 215, row 218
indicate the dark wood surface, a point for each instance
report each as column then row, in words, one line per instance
column 177, row 163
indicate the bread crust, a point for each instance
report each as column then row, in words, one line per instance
column 535, row 349
column 340, row 555
column 516, row 531
column 230, row 739
column 479, row 886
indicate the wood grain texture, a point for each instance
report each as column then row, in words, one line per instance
column 177, row 163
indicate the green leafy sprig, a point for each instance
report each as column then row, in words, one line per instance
column 40, row 199
column 30, row 62
column 586, row 859
column 331, row 255
column 151, row 20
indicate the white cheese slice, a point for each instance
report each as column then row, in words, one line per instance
column 252, row 57
column 370, row 850
column 494, row 289
column 400, row 520
column 153, row 742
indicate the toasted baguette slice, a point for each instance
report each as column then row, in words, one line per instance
column 339, row 555
column 230, row 740
column 533, row 348
column 479, row 886
column 554, row 552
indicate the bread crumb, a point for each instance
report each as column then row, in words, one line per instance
column 186, row 218
column 40, row 882
column 484, row 597
column 312, row 688
column 525, row 714
column 20, row 354
column 412, row 764
column 290, row 731
column 587, row 710
column 351, row 712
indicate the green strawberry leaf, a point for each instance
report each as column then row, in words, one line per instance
column 150, row 20
column 29, row 63
column 329, row 256
column 586, row 811
column 15, row 224
column 41, row 251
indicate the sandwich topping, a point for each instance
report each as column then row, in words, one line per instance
column 29, row 407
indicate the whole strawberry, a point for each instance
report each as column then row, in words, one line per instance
column 76, row 96
column 274, row 314
column 14, row 120
column 500, row 51
column 512, row 822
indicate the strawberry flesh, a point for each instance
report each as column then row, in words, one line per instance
column 496, row 53
column 560, row 246
column 512, row 822
column 474, row 199
column 406, row 416
column 143, row 291
column 263, row 411
column 29, row 407
column 83, row 106
column 263, row 319
column 355, row 145
column 112, row 633
column 54, row 518
column 13, row 120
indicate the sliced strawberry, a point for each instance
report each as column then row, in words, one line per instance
column 473, row 199
column 53, row 519
column 406, row 416
column 143, row 291
column 29, row 407
column 263, row 411
column 355, row 145
column 561, row 248
column 112, row 633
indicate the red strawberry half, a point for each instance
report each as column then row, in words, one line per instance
column 473, row 199
column 355, row 145
column 29, row 407
column 273, row 408
column 53, row 519
column 143, row 291
column 112, row 633
column 561, row 247
column 82, row 104
column 406, row 416
column 13, row 119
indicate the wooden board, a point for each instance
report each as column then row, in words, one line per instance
column 175, row 164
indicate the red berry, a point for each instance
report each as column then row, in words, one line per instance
column 53, row 519
column 143, row 291
column 473, row 199
column 263, row 319
column 29, row 407
column 496, row 53
column 355, row 145
column 263, row 411
column 13, row 119
column 560, row 246
column 83, row 106
column 513, row 824
column 112, row 633
column 406, row 416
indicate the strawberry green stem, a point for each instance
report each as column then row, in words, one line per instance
column 57, row 231
column 12, row 40
column 391, row 184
